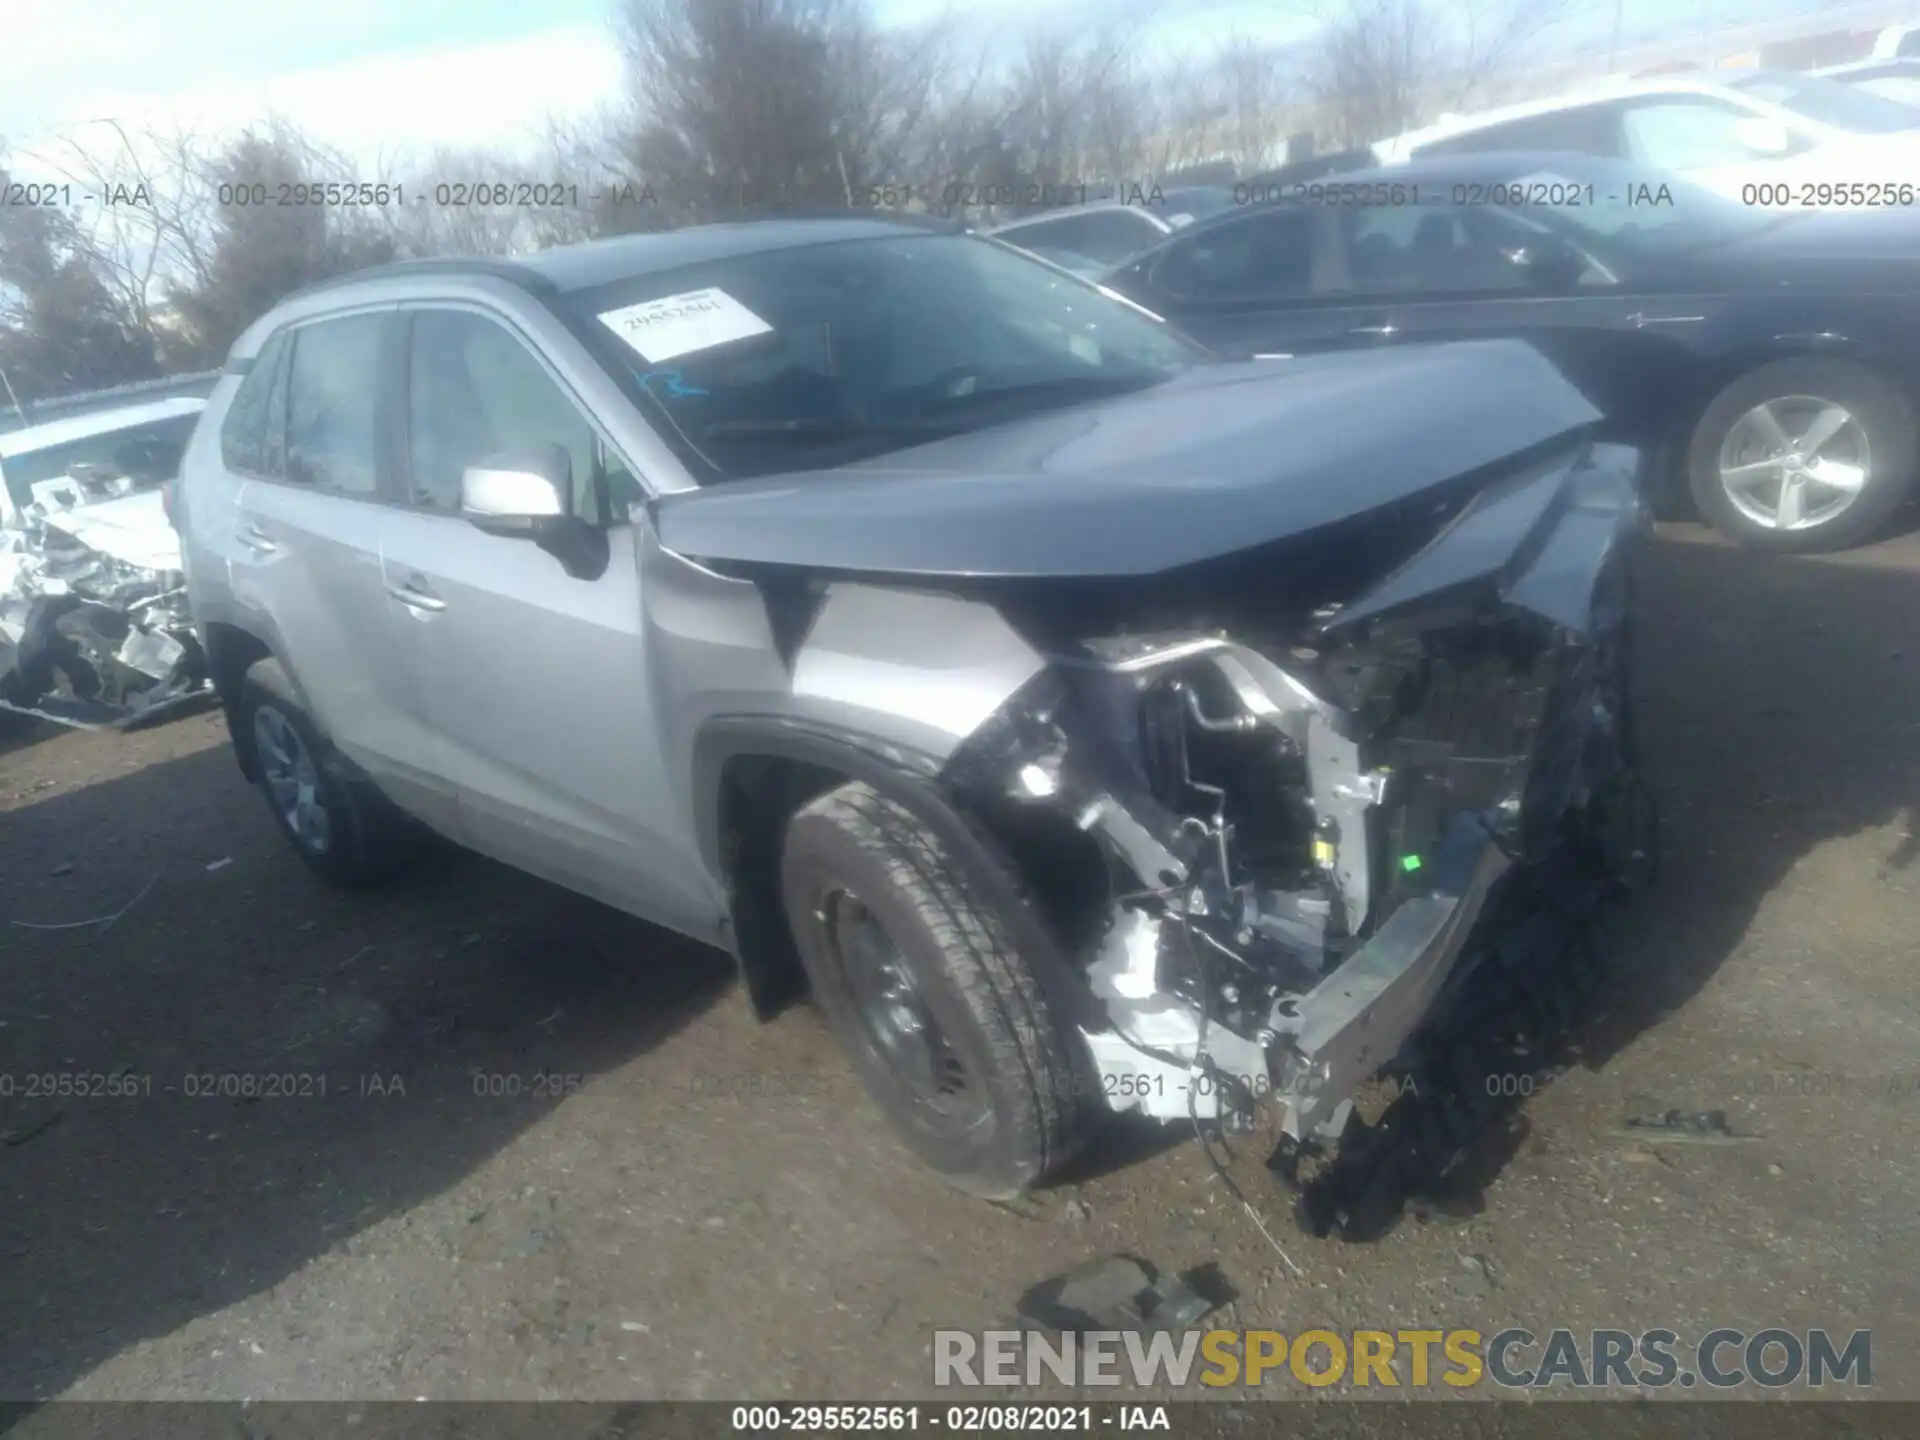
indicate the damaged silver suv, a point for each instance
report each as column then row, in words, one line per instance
column 1089, row 723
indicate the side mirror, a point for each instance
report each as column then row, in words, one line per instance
column 525, row 494
column 1763, row 136
column 1549, row 263
column 518, row 493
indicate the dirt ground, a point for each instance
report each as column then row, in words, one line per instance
column 557, row 1157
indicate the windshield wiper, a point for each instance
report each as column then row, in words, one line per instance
column 1065, row 389
column 821, row 429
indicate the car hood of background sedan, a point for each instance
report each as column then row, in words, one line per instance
column 1223, row 458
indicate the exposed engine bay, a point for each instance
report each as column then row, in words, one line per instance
column 94, row 626
column 1301, row 815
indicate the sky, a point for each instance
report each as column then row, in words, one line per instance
column 385, row 79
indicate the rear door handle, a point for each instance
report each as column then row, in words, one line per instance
column 1385, row 327
column 415, row 595
column 252, row 537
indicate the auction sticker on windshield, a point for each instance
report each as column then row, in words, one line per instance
column 680, row 324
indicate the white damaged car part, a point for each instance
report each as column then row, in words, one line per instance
column 94, row 627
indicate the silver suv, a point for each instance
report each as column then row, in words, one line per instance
column 1090, row 724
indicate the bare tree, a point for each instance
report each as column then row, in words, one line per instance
column 737, row 102
column 1246, row 84
column 151, row 210
column 262, row 248
column 1382, row 66
column 61, row 325
column 473, row 202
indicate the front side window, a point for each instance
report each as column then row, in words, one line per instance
column 1408, row 248
column 1690, row 134
column 1903, row 88
column 820, row 355
column 475, row 391
column 1264, row 257
column 332, row 402
column 1826, row 101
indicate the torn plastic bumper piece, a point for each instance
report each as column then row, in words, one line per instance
column 1358, row 1018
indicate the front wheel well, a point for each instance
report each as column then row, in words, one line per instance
column 1053, row 868
column 758, row 795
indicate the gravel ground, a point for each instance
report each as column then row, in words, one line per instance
column 557, row 1157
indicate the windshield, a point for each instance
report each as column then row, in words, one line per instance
column 1627, row 210
column 115, row 462
column 1845, row 107
column 819, row 355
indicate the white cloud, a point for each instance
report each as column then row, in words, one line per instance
column 496, row 95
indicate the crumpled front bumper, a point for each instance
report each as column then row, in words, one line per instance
column 1356, row 1020
column 1553, row 546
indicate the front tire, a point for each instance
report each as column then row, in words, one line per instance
column 920, row 978
column 344, row 829
column 1803, row 455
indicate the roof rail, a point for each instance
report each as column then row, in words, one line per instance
column 474, row 265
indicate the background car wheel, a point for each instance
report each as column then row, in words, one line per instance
column 919, row 977
column 341, row 826
column 1803, row 455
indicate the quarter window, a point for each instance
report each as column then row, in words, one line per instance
column 332, row 402
column 253, row 418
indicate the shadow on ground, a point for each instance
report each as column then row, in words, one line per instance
column 303, row 1063
column 1780, row 708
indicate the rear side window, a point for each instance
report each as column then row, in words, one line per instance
column 1583, row 130
column 245, row 434
column 332, row 405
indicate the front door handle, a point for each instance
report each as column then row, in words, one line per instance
column 255, row 540
column 415, row 595
column 1385, row 327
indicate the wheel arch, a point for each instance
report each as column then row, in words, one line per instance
column 751, row 774
column 232, row 650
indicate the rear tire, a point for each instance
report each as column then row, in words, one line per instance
column 1878, row 435
column 919, row 977
column 344, row 829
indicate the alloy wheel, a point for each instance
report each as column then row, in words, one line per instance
column 1795, row 462
column 292, row 779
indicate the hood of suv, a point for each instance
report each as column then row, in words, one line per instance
column 1221, row 459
